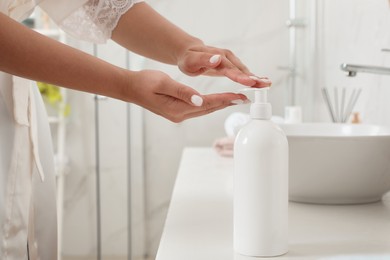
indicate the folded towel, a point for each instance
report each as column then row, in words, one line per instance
column 224, row 146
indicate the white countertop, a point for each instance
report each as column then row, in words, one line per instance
column 199, row 224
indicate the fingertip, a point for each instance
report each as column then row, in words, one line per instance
column 260, row 82
column 240, row 102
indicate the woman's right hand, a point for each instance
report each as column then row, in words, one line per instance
column 157, row 92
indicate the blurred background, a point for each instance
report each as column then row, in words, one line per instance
column 117, row 162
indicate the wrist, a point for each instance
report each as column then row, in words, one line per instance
column 186, row 46
column 123, row 83
column 132, row 86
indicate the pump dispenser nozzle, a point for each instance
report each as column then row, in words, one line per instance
column 260, row 108
column 261, row 95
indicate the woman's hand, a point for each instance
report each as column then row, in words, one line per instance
column 169, row 44
column 201, row 59
column 160, row 94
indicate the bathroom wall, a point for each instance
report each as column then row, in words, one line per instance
column 355, row 31
column 80, row 227
column 336, row 31
column 80, row 217
column 255, row 30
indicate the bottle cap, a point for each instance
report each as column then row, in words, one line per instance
column 260, row 108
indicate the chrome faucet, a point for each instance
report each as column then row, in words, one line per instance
column 353, row 69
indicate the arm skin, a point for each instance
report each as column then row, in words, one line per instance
column 28, row 54
column 144, row 31
column 155, row 37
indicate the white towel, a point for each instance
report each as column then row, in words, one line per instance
column 224, row 146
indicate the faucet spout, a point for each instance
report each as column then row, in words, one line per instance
column 353, row 69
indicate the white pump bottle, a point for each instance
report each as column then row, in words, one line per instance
column 261, row 184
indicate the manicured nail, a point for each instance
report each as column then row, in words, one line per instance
column 214, row 59
column 266, row 81
column 197, row 100
column 240, row 101
column 260, row 79
column 255, row 78
column 237, row 102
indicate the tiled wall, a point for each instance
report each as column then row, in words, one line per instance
column 255, row 31
column 346, row 31
column 355, row 31
column 336, row 31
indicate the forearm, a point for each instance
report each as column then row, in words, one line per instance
column 144, row 31
column 28, row 54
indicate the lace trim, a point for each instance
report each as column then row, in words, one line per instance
column 96, row 19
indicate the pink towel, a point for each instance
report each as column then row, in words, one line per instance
column 224, row 146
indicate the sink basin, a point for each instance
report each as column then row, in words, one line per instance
column 338, row 163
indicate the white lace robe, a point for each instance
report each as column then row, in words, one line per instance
column 27, row 180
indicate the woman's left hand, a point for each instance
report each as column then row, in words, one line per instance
column 201, row 59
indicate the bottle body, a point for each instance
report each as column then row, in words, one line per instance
column 261, row 190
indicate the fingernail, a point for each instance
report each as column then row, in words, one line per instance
column 240, row 101
column 255, row 78
column 197, row 100
column 237, row 102
column 266, row 81
column 214, row 59
column 260, row 79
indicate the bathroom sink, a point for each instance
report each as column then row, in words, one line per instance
column 338, row 163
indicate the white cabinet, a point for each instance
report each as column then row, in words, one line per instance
column 199, row 224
